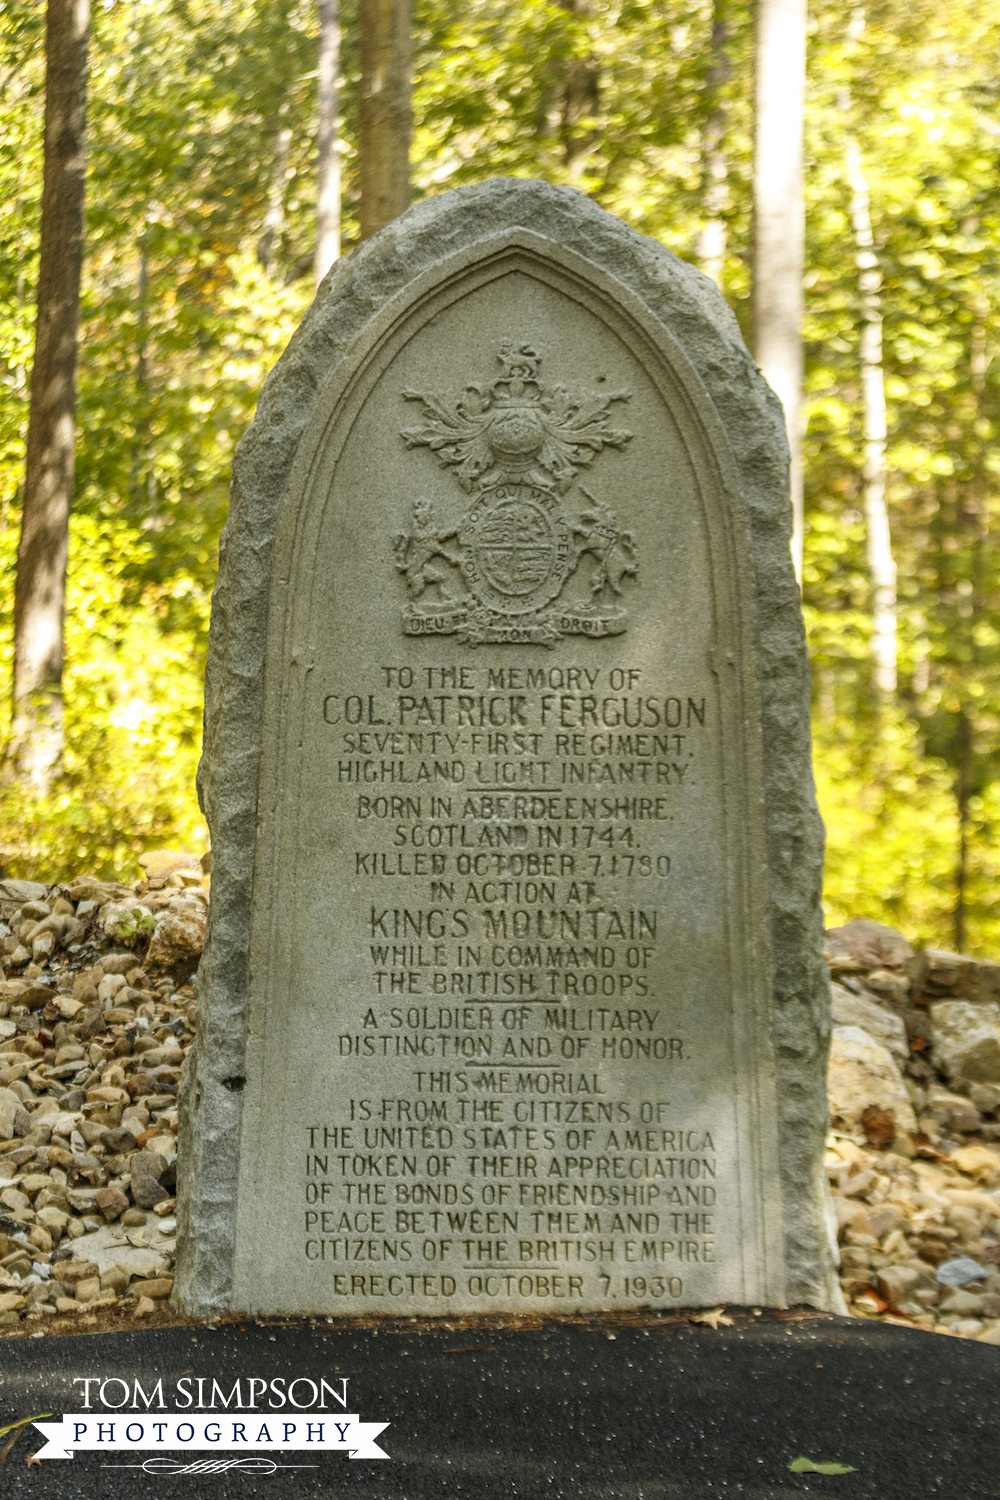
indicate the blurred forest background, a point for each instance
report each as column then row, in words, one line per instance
column 200, row 239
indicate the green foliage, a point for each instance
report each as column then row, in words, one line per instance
column 891, row 826
column 610, row 103
column 180, row 326
column 187, row 303
column 133, row 688
column 181, row 322
column 128, row 923
column 917, row 92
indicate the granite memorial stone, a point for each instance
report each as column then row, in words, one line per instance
column 512, row 998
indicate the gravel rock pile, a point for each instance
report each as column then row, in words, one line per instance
column 913, row 1156
column 96, row 1015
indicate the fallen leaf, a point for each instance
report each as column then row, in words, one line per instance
column 803, row 1465
column 879, row 1126
column 871, row 1302
column 713, row 1318
column 23, row 1421
column 17, row 1428
column 33, row 1461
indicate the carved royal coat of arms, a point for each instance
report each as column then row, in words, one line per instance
column 499, row 574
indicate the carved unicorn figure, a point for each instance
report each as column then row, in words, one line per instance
column 613, row 549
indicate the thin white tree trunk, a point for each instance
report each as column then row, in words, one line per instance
column 327, row 140
column 274, row 219
column 779, row 222
column 711, row 245
column 878, row 538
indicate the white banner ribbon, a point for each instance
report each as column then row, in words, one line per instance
column 253, row 1432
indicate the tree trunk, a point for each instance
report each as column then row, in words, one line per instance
column 878, row 536
column 963, row 798
column 878, row 539
column 274, row 218
column 36, row 742
column 779, row 222
column 973, row 507
column 327, row 140
column 384, row 147
column 581, row 94
column 711, row 245
column 143, row 451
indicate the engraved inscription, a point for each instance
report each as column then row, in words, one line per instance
column 515, row 446
column 515, row 855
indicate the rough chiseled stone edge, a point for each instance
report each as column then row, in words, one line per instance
column 690, row 306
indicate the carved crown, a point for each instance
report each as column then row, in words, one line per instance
column 516, row 427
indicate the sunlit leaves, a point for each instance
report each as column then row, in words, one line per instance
column 918, row 91
column 133, row 711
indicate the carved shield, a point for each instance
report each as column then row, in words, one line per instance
column 516, row 548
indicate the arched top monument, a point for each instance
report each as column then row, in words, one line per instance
column 513, row 997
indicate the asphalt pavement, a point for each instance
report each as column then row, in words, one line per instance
column 668, row 1410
